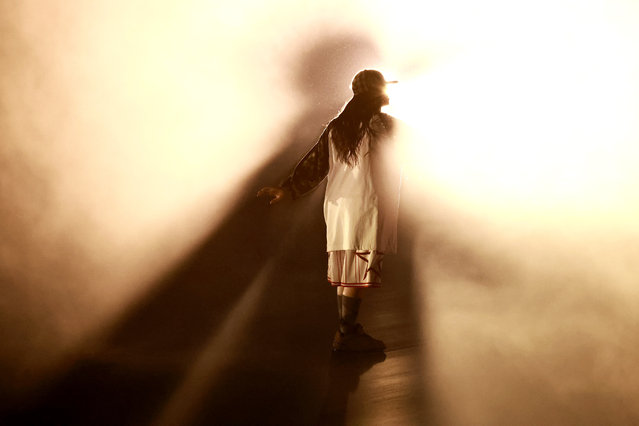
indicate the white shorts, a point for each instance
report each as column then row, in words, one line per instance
column 355, row 268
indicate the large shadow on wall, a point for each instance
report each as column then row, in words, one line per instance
column 275, row 371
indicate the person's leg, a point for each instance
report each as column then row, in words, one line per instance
column 351, row 300
column 357, row 292
column 350, row 335
column 349, row 293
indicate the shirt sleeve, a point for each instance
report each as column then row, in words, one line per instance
column 310, row 171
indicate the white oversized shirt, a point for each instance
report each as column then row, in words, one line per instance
column 362, row 201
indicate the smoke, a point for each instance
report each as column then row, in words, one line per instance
column 532, row 117
column 522, row 189
column 530, row 323
column 129, row 128
column 522, row 192
column 128, row 131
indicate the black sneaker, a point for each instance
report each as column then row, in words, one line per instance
column 357, row 341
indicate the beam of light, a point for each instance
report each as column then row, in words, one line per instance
column 531, row 113
column 128, row 130
column 525, row 215
column 128, row 133
column 187, row 399
column 126, row 140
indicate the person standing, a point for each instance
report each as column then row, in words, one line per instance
column 357, row 153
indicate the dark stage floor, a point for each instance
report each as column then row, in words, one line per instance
column 484, row 329
column 240, row 335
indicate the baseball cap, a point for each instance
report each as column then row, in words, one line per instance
column 369, row 81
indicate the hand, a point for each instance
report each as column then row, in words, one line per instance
column 275, row 193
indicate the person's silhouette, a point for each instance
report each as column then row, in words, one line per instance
column 356, row 153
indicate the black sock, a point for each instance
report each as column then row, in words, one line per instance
column 348, row 317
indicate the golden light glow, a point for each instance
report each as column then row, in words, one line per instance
column 530, row 112
column 129, row 130
column 525, row 154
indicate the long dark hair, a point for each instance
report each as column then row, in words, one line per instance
column 353, row 123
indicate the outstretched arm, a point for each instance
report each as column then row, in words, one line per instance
column 307, row 175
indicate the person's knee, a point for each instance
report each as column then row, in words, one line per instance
column 353, row 292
